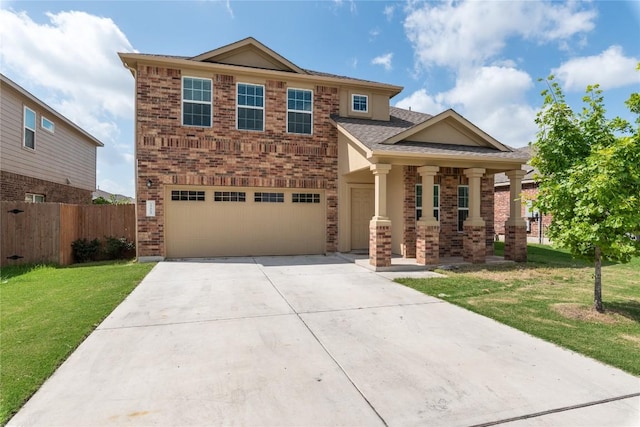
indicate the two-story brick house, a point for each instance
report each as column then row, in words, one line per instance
column 44, row 157
column 241, row 152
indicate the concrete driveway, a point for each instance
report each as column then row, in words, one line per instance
column 304, row 341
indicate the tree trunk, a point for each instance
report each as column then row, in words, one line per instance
column 597, row 291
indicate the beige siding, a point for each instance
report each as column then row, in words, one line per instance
column 378, row 104
column 63, row 155
column 449, row 132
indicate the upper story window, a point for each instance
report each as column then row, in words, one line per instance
column 463, row 205
column 250, row 107
column 436, row 201
column 34, row 198
column 29, row 139
column 196, row 102
column 47, row 124
column 360, row 103
column 299, row 111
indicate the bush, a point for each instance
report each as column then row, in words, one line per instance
column 118, row 247
column 85, row 250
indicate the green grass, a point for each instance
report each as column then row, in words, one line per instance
column 46, row 312
column 551, row 297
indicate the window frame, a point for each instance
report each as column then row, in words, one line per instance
column 250, row 107
column 49, row 128
column 305, row 198
column 230, row 196
column 183, row 101
column 188, row 196
column 353, row 101
column 435, row 208
column 268, row 197
column 462, row 209
column 25, row 128
column 33, row 197
column 310, row 112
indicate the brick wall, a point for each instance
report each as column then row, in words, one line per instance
column 501, row 203
column 169, row 153
column 13, row 187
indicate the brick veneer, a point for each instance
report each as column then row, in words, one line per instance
column 169, row 153
column 14, row 187
column 427, row 244
column 410, row 176
column 380, row 244
column 474, row 244
column 501, row 203
column 515, row 243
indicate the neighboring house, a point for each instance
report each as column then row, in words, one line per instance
column 529, row 193
column 241, row 152
column 110, row 197
column 44, row 157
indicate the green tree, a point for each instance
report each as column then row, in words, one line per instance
column 589, row 178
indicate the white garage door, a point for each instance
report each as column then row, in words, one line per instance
column 212, row 221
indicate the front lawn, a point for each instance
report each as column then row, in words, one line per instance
column 46, row 312
column 551, row 297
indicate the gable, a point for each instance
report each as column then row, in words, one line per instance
column 249, row 53
column 449, row 131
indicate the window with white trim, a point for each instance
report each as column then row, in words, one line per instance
column 250, row 107
column 196, row 102
column 47, row 124
column 436, row 201
column 34, row 198
column 299, row 111
column 29, row 134
column 360, row 103
column 463, row 205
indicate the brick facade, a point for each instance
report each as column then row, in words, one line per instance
column 14, row 187
column 515, row 243
column 380, row 243
column 428, row 244
column 501, row 203
column 474, row 250
column 169, row 153
column 410, row 178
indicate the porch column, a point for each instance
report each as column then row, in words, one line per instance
column 380, row 225
column 427, row 228
column 515, row 229
column 474, row 245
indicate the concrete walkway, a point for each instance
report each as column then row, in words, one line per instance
column 316, row 341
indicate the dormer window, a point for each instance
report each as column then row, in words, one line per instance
column 250, row 109
column 360, row 103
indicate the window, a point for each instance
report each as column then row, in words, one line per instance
column 34, row 198
column 196, row 102
column 29, row 128
column 47, row 124
column 229, row 196
column 436, row 201
column 250, row 107
column 184, row 195
column 463, row 205
column 269, row 197
column 359, row 103
column 299, row 111
column 305, row 198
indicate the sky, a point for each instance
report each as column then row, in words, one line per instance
column 484, row 59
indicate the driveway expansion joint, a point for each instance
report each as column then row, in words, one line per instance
column 187, row 322
column 337, row 310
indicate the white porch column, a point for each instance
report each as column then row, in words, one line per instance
column 515, row 203
column 428, row 173
column 475, row 196
column 380, row 172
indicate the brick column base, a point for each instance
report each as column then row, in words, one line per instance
column 515, row 243
column 427, row 244
column 474, row 248
column 380, row 243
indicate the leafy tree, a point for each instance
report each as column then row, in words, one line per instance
column 589, row 178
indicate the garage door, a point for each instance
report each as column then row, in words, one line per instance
column 210, row 221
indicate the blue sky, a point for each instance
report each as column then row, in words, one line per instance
column 481, row 58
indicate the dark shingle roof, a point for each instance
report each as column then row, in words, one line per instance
column 501, row 178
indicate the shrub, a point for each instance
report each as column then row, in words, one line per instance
column 85, row 250
column 118, row 247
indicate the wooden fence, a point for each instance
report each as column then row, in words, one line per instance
column 43, row 232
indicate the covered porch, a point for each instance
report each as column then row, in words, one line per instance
column 422, row 196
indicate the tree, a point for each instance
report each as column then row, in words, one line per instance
column 589, row 178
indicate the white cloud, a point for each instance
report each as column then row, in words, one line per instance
column 469, row 33
column 71, row 63
column 610, row 69
column 491, row 97
column 384, row 60
column 388, row 12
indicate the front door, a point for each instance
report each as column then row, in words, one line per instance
column 362, row 210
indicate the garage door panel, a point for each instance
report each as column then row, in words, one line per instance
column 213, row 228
